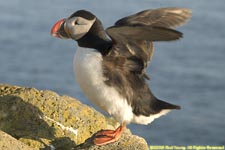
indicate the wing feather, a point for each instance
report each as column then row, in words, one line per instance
column 162, row 17
column 142, row 33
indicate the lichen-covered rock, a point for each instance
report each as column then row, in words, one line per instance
column 7, row 142
column 45, row 120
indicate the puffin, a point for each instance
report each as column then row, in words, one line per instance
column 110, row 64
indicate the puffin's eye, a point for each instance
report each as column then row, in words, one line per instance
column 76, row 22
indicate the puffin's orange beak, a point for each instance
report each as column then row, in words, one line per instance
column 58, row 30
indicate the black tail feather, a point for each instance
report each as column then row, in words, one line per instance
column 153, row 106
column 165, row 105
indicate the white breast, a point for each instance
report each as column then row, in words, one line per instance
column 89, row 75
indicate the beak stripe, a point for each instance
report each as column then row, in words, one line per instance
column 56, row 27
column 67, row 32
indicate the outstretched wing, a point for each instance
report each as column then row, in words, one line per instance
column 134, row 34
column 132, row 48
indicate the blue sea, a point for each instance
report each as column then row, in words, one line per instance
column 189, row 72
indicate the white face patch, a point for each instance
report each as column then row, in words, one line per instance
column 77, row 27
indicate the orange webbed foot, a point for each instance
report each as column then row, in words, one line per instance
column 108, row 136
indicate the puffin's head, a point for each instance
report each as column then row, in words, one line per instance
column 74, row 27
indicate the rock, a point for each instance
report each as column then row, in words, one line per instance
column 6, row 142
column 44, row 120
